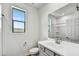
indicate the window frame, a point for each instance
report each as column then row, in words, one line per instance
column 13, row 7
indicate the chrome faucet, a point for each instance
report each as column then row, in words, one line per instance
column 58, row 40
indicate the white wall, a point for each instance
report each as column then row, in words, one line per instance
column 0, row 33
column 47, row 9
column 13, row 42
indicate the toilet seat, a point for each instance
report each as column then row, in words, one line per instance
column 33, row 51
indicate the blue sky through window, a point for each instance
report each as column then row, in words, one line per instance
column 18, row 15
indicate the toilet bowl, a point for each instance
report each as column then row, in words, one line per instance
column 33, row 51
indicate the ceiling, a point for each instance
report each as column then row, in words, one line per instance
column 37, row 5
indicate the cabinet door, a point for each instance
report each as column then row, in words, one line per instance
column 56, row 54
column 41, row 47
column 41, row 53
column 49, row 52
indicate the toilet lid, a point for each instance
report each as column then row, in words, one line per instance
column 34, row 50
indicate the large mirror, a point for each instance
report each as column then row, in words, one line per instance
column 18, row 20
column 64, row 23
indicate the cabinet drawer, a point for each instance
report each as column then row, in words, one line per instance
column 49, row 52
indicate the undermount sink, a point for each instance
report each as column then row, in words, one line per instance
column 54, row 45
column 50, row 43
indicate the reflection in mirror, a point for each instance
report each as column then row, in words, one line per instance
column 49, row 23
column 18, row 20
column 64, row 23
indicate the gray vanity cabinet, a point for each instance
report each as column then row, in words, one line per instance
column 43, row 51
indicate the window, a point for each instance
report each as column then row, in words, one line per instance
column 18, row 20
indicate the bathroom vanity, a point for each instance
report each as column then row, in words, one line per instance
column 50, row 48
column 44, row 51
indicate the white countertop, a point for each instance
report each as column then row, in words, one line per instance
column 64, row 48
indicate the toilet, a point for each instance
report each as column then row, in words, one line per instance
column 34, row 51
